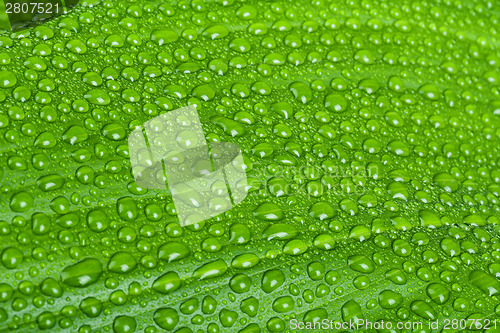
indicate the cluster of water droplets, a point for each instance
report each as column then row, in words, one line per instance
column 370, row 134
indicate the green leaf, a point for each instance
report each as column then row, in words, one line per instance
column 388, row 210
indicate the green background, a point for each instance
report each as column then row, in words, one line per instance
column 370, row 131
